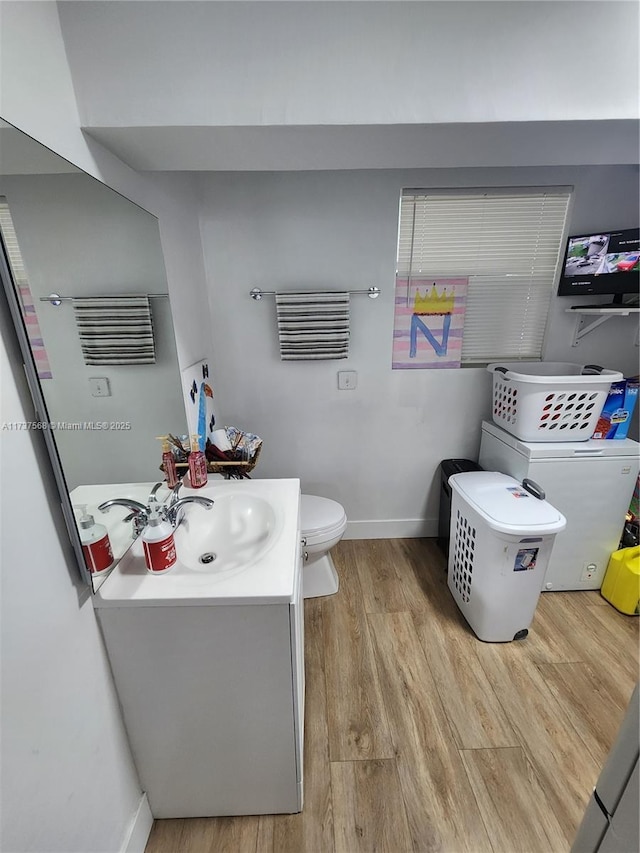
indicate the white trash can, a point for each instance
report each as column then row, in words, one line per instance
column 502, row 533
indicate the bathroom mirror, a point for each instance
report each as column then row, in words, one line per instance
column 65, row 233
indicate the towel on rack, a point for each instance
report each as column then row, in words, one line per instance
column 313, row 325
column 115, row 330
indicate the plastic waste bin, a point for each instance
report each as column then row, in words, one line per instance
column 448, row 467
column 502, row 533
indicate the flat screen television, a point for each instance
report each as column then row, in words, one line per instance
column 606, row 264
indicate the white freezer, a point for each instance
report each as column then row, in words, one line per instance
column 590, row 482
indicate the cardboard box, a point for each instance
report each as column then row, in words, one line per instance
column 615, row 418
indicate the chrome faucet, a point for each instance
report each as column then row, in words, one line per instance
column 175, row 509
column 139, row 512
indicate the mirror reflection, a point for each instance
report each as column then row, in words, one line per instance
column 105, row 354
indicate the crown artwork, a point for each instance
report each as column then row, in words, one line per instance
column 433, row 303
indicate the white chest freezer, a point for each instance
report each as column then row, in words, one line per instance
column 590, row 482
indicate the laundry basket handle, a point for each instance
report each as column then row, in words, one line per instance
column 533, row 488
column 592, row 368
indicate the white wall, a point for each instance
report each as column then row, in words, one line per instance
column 79, row 238
column 68, row 782
column 340, row 85
column 375, row 449
column 325, row 63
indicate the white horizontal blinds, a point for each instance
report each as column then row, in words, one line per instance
column 23, row 291
column 11, row 244
column 507, row 243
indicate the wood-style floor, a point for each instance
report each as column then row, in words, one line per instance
column 421, row 738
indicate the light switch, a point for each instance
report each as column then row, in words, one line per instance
column 347, row 380
column 99, row 386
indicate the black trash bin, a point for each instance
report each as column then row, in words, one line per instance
column 447, row 468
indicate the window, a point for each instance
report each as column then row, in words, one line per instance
column 507, row 242
column 23, row 291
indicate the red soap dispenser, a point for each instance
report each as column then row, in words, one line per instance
column 168, row 462
column 197, row 464
column 158, row 544
column 96, row 546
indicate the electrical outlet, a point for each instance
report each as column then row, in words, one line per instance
column 99, row 386
column 347, row 380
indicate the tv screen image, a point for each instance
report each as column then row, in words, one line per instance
column 602, row 264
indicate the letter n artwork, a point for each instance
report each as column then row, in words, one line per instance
column 429, row 319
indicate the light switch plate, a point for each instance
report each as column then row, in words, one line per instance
column 99, row 386
column 347, row 380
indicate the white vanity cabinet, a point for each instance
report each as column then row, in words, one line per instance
column 211, row 682
column 213, row 704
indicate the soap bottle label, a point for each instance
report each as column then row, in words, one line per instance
column 198, row 470
column 98, row 555
column 161, row 555
column 170, row 471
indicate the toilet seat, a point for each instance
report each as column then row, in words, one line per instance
column 321, row 519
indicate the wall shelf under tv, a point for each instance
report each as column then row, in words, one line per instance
column 602, row 313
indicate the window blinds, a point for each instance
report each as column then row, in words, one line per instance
column 23, row 292
column 11, row 244
column 507, row 243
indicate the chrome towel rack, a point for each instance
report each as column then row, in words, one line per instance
column 56, row 299
column 371, row 292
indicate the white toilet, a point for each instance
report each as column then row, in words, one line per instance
column 323, row 523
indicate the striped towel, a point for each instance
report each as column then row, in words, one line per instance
column 313, row 325
column 115, row 330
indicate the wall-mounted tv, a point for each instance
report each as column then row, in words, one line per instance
column 602, row 264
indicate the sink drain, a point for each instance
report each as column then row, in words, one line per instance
column 207, row 558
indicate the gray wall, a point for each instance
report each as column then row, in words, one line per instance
column 375, row 449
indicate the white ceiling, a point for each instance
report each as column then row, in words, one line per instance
column 322, row 85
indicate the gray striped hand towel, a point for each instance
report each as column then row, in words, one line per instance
column 115, row 330
column 313, row 325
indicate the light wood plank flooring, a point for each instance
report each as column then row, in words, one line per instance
column 418, row 737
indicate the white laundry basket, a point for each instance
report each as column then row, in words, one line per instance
column 502, row 533
column 549, row 400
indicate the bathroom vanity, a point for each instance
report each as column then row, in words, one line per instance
column 208, row 660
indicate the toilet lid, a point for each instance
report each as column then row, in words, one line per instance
column 321, row 518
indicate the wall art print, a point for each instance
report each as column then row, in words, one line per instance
column 198, row 397
column 428, row 324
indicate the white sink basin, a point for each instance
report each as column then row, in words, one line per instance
column 252, row 533
column 235, row 532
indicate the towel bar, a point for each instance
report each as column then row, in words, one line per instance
column 372, row 292
column 56, row 299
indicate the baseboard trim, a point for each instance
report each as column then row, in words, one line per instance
column 140, row 829
column 396, row 528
